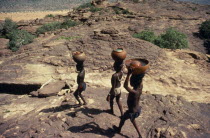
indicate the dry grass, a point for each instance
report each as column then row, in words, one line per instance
column 17, row 16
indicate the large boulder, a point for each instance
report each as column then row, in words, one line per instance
column 51, row 89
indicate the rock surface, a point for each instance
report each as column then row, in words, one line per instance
column 176, row 96
column 162, row 116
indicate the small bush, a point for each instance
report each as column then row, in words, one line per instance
column 48, row 27
column 19, row 38
column 204, row 29
column 121, row 11
column 146, row 35
column 8, row 26
column 1, row 30
column 56, row 25
column 49, row 15
column 95, row 9
column 172, row 39
column 194, row 8
column 68, row 23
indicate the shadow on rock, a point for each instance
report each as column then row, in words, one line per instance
column 93, row 127
column 59, row 108
column 86, row 111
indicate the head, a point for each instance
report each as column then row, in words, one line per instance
column 136, row 80
column 79, row 67
column 118, row 66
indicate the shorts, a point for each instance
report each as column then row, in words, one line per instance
column 83, row 88
column 131, row 115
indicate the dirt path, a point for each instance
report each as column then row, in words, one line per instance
column 17, row 16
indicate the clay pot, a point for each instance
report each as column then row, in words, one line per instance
column 79, row 57
column 138, row 66
column 118, row 54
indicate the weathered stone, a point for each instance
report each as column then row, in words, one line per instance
column 51, row 89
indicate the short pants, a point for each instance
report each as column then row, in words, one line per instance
column 131, row 115
column 83, row 88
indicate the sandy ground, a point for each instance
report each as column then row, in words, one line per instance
column 17, row 16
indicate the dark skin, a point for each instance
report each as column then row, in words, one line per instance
column 132, row 101
column 80, row 81
column 116, row 84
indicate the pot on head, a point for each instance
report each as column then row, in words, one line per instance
column 79, row 57
column 138, row 65
column 118, row 54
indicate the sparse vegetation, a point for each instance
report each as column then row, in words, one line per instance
column 19, row 38
column 49, row 15
column 194, row 8
column 56, row 25
column 48, row 27
column 95, row 9
column 68, row 37
column 7, row 26
column 172, row 39
column 90, row 6
column 68, row 23
column 121, row 11
column 146, row 35
column 8, row 29
column 204, row 29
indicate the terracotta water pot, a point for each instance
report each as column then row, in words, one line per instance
column 118, row 54
column 79, row 57
column 138, row 65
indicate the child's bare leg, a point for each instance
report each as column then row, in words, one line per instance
column 119, row 104
column 136, row 127
column 83, row 99
column 76, row 95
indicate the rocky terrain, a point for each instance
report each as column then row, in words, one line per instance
column 175, row 98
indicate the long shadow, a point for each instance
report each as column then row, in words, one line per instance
column 93, row 127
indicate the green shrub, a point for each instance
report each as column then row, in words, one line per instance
column 194, row 8
column 49, row 15
column 19, row 38
column 121, row 11
column 48, row 27
column 8, row 26
column 146, row 35
column 172, row 39
column 1, row 30
column 95, row 9
column 204, row 29
column 56, row 25
column 68, row 23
